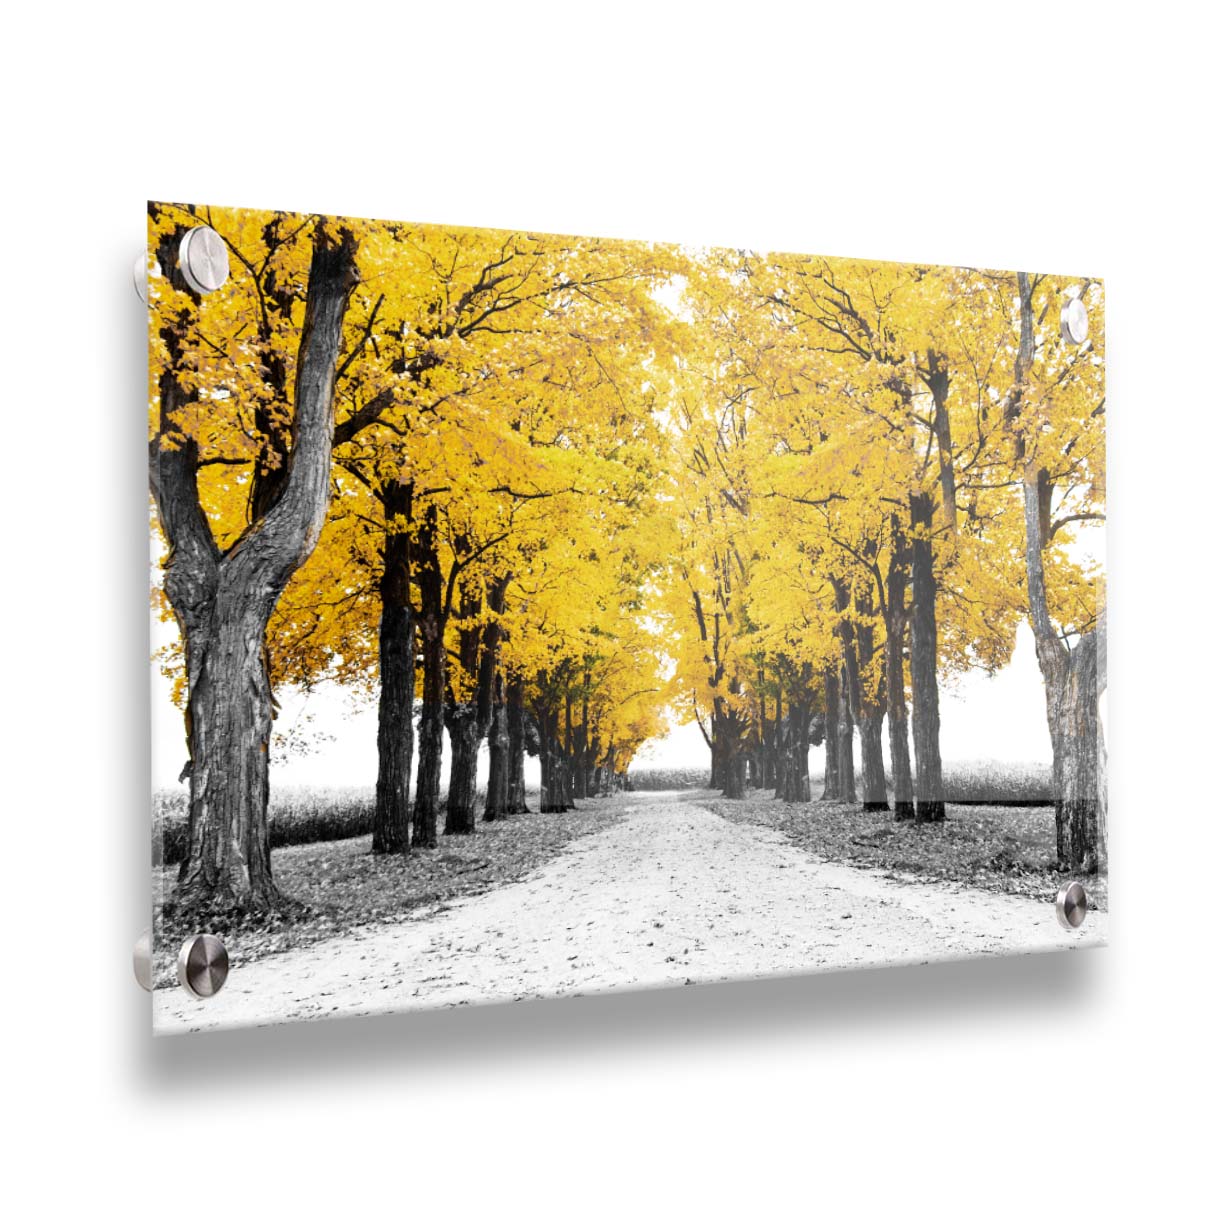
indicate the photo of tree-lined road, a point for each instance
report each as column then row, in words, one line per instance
column 541, row 500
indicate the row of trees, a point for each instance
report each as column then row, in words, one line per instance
column 537, row 491
column 414, row 459
column 882, row 469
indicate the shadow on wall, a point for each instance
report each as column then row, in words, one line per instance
column 625, row 1024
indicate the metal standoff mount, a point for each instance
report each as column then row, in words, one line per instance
column 203, row 259
column 140, row 276
column 203, row 966
column 1071, row 905
column 142, row 961
column 1073, row 320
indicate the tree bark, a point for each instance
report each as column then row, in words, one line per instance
column 832, row 776
column 737, row 777
column 796, row 786
column 431, row 631
column 498, row 790
column 924, row 663
column 397, row 679
column 847, row 792
column 769, row 743
column 858, row 649
column 729, row 732
column 875, row 783
column 552, row 790
column 468, row 721
column 895, row 619
column 223, row 602
column 516, row 788
column 1073, row 678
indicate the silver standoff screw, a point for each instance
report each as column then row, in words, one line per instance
column 142, row 961
column 1071, row 905
column 140, row 276
column 203, row 259
column 1073, row 321
column 203, row 966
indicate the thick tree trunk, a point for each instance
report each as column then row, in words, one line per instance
column 516, row 788
column 228, row 865
column 468, row 721
column 1072, row 685
column 552, row 789
column 736, row 784
column 1077, row 814
column 581, row 744
column 782, row 742
column 1073, row 678
column 796, row 786
column 497, row 794
column 433, row 725
column 847, row 791
column 924, row 664
column 875, row 784
column 728, row 733
column 223, row 603
column 832, row 776
column 858, row 650
column 465, row 736
column 718, row 757
column 431, row 637
column 769, row 745
column 894, row 671
column 397, row 679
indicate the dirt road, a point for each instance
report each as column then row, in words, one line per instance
column 674, row 894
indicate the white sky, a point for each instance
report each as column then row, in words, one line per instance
column 982, row 718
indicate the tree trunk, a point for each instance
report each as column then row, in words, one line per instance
column 924, row 663
column 894, row 671
column 433, row 724
column 832, row 777
column 793, row 765
column 468, row 721
column 228, row 865
column 1077, row 814
column 769, row 744
column 498, row 791
column 552, row 791
column 223, row 602
column 718, row 753
column 516, row 788
column 465, row 737
column 875, row 785
column 737, row 777
column 728, row 734
column 582, row 744
column 847, row 792
column 1072, row 677
column 783, row 747
column 397, row 679
column 858, row 650
column 431, row 636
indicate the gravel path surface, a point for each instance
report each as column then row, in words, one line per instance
column 672, row 895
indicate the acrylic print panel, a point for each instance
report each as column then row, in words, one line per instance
column 541, row 616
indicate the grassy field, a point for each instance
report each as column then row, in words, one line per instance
column 297, row 816
column 1004, row 849
column 988, row 782
column 342, row 885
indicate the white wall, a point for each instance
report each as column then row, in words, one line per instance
column 1060, row 136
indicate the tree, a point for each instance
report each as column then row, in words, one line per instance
column 223, row 597
column 1056, row 411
